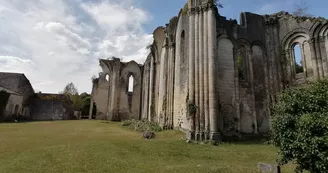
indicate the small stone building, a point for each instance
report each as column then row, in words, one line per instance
column 213, row 77
column 23, row 103
column 20, row 90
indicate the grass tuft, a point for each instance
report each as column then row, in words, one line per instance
column 141, row 126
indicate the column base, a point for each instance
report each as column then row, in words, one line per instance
column 198, row 136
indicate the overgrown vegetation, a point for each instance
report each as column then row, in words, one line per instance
column 300, row 126
column 141, row 126
column 192, row 108
column 217, row 3
column 80, row 102
column 302, row 9
column 4, row 97
column 241, row 68
column 94, row 79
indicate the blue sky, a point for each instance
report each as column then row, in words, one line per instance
column 54, row 42
column 162, row 11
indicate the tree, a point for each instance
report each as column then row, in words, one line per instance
column 218, row 3
column 300, row 126
column 70, row 89
column 78, row 102
column 301, row 9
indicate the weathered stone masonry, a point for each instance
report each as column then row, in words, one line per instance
column 212, row 77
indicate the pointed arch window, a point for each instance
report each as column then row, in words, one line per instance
column 297, row 51
column 130, row 83
column 107, row 77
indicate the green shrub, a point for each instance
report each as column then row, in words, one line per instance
column 141, row 126
column 300, row 126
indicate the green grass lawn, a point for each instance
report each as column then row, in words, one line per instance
column 98, row 146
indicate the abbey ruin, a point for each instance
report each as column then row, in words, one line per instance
column 212, row 77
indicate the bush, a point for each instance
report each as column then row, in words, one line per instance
column 300, row 126
column 141, row 126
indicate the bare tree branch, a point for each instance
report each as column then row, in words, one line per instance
column 301, row 9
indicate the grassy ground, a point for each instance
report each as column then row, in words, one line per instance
column 97, row 146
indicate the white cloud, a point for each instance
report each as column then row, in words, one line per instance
column 57, row 41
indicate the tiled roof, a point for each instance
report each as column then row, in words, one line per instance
column 16, row 82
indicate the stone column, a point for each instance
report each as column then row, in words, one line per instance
column 91, row 108
column 304, row 62
column 318, row 57
column 323, row 54
column 213, row 102
column 314, row 60
column 197, row 73
column 288, row 63
column 326, row 50
column 205, row 72
column 162, row 97
column 201, row 75
column 170, row 92
column 115, row 91
column 250, row 57
column 237, row 87
column 151, row 92
column 191, row 72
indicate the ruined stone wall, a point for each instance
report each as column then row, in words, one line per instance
column 180, row 117
column 130, row 102
column 45, row 110
column 110, row 90
column 212, row 77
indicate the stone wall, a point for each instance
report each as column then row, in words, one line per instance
column 212, row 77
column 111, row 92
column 20, row 91
column 45, row 110
column 14, row 107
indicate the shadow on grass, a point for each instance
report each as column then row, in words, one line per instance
column 17, row 121
column 248, row 139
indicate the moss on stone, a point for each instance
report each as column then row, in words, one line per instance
column 185, row 9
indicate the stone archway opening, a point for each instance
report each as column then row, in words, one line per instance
column 298, row 60
column 130, row 84
column 16, row 110
column 107, row 77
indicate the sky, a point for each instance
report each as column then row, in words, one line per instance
column 54, row 42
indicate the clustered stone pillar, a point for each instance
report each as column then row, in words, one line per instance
column 201, row 76
column 213, row 105
column 170, row 89
column 191, row 72
column 197, row 74
column 205, row 72
column 202, row 80
column 151, row 89
column 91, row 109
